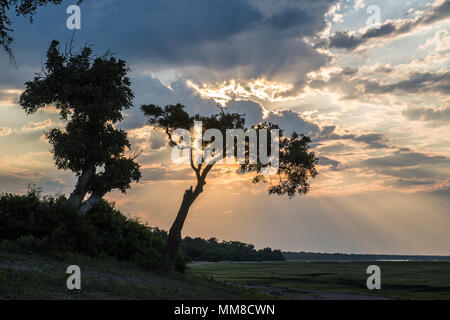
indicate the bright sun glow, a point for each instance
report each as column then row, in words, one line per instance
column 261, row 89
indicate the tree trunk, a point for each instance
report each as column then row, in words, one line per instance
column 77, row 196
column 93, row 200
column 174, row 240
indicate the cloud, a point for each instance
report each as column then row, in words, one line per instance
column 36, row 126
column 417, row 82
column 406, row 170
column 373, row 140
column 414, row 182
column 164, row 173
column 364, row 83
column 427, row 114
column 151, row 90
column 9, row 95
column 333, row 164
column 4, row 131
column 405, row 159
column 208, row 41
column 415, row 172
column 440, row 41
column 443, row 193
column 337, row 147
column 258, row 46
column 391, row 28
column 213, row 40
column 17, row 171
column 291, row 121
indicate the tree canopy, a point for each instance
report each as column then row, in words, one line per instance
column 90, row 92
column 296, row 163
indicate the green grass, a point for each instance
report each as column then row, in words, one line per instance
column 37, row 277
column 399, row 280
column 27, row 276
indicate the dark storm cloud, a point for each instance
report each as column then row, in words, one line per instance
column 389, row 29
column 217, row 40
column 290, row 18
column 213, row 32
column 170, row 30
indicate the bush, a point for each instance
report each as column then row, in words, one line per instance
column 47, row 225
column 34, row 224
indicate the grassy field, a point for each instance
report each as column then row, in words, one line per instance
column 36, row 277
column 399, row 280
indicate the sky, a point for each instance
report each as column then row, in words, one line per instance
column 368, row 81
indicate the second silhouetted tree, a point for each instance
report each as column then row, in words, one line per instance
column 296, row 163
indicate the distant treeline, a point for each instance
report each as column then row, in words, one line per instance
column 357, row 257
column 213, row 250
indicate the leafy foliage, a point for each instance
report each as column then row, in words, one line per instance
column 296, row 164
column 173, row 117
column 47, row 225
column 90, row 93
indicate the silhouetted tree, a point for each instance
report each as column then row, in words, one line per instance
column 90, row 93
column 26, row 8
column 297, row 164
